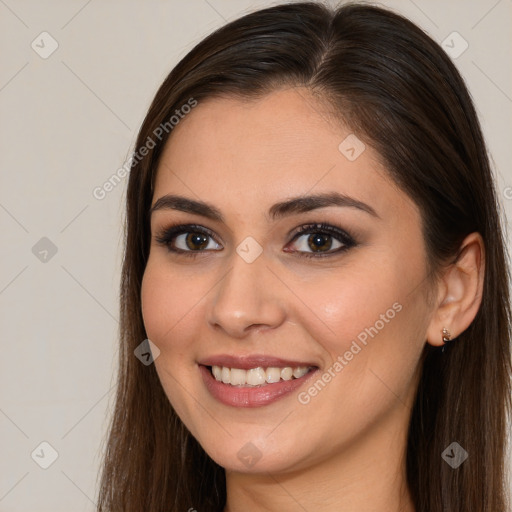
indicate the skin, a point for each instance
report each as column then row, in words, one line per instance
column 345, row 449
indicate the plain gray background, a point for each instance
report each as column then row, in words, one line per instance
column 68, row 122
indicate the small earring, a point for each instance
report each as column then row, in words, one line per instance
column 446, row 337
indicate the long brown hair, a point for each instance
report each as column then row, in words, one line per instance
column 396, row 88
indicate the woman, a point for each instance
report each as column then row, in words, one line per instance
column 314, row 249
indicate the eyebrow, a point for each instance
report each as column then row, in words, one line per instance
column 291, row 206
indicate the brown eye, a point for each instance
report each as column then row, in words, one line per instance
column 187, row 239
column 196, row 241
column 322, row 240
column 318, row 242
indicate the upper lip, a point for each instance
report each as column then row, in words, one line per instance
column 252, row 361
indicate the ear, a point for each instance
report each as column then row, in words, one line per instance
column 460, row 291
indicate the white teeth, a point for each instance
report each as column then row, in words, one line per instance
column 226, row 375
column 217, row 372
column 257, row 376
column 237, row 376
column 299, row 371
column 273, row 375
column 287, row 373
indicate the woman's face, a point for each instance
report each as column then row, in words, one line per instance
column 247, row 290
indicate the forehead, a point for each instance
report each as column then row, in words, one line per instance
column 255, row 152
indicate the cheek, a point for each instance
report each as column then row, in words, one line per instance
column 172, row 304
column 348, row 308
column 156, row 302
column 376, row 340
column 168, row 311
column 377, row 318
column 169, row 301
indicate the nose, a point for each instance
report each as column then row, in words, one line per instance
column 249, row 297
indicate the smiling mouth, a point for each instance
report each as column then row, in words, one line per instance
column 259, row 376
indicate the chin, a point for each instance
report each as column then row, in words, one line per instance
column 257, row 452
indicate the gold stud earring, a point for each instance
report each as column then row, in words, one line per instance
column 446, row 337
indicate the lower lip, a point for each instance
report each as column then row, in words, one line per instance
column 251, row 396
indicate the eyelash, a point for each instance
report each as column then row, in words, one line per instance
column 167, row 236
